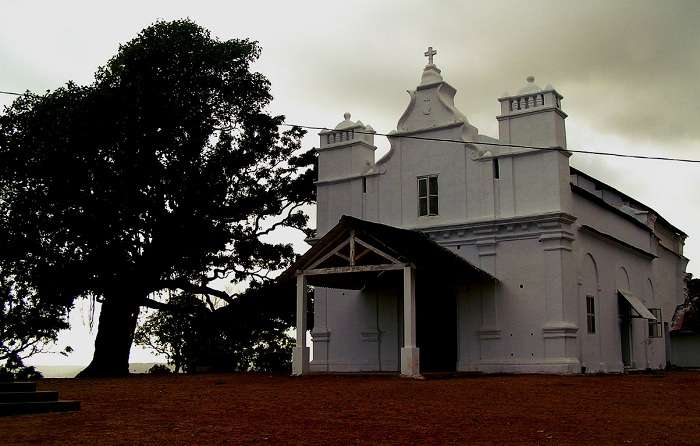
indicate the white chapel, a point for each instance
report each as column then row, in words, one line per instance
column 456, row 251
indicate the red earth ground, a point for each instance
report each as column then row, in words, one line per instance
column 256, row 409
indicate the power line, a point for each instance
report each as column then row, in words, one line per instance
column 483, row 143
column 519, row 146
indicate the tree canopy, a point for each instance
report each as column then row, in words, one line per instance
column 163, row 174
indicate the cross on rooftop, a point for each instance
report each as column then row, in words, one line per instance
column 429, row 54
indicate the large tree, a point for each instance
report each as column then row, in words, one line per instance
column 163, row 174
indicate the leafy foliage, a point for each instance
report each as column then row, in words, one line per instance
column 692, row 303
column 176, row 332
column 27, row 324
column 159, row 369
column 252, row 333
column 14, row 370
column 163, row 174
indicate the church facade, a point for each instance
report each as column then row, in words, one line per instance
column 456, row 251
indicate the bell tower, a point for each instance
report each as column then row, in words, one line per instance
column 346, row 151
column 533, row 117
column 345, row 158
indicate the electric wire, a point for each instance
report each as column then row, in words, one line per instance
column 500, row 144
column 482, row 143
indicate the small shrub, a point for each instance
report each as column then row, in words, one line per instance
column 159, row 369
column 15, row 370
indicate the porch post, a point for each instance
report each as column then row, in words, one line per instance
column 300, row 354
column 410, row 362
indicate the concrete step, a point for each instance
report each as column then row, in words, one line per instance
column 21, row 408
column 17, row 386
column 19, row 397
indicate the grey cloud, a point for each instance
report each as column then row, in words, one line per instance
column 625, row 67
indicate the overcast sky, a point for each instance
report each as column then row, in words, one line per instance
column 629, row 72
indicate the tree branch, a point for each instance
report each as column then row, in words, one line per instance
column 185, row 285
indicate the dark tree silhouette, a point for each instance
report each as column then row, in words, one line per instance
column 27, row 325
column 692, row 303
column 161, row 175
column 176, row 332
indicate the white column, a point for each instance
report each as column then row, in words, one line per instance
column 410, row 361
column 300, row 354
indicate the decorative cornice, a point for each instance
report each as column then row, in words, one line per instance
column 351, row 177
column 345, row 144
column 487, row 233
column 489, row 333
column 558, row 330
column 320, row 336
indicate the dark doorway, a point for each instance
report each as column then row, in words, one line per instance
column 626, row 333
column 436, row 328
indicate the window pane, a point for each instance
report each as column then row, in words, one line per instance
column 422, row 206
column 655, row 326
column 433, row 205
column 433, row 186
column 422, row 187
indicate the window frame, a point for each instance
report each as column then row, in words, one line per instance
column 655, row 327
column 431, row 192
column 590, row 314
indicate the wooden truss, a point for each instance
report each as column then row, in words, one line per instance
column 353, row 255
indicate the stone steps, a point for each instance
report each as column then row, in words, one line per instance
column 18, row 386
column 18, row 398
column 28, row 407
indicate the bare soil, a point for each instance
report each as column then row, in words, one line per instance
column 256, row 409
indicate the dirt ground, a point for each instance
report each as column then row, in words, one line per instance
column 256, row 409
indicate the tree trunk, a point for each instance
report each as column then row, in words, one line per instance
column 115, row 334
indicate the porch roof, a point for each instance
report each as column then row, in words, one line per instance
column 636, row 304
column 403, row 247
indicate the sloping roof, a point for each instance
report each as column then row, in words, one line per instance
column 601, row 185
column 405, row 245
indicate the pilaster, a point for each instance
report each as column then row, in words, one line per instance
column 300, row 353
column 410, row 354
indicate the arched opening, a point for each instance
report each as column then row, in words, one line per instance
column 625, row 318
column 589, row 309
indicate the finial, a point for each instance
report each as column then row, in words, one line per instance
column 346, row 116
column 429, row 54
column 530, row 79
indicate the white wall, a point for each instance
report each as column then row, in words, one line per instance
column 522, row 227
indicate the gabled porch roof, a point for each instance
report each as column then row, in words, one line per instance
column 356, row 250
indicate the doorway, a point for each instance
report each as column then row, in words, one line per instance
column 436, row 328
column 626, row 334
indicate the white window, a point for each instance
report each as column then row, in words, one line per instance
column 590, row 314
column 655, row 326
column 428, row 195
